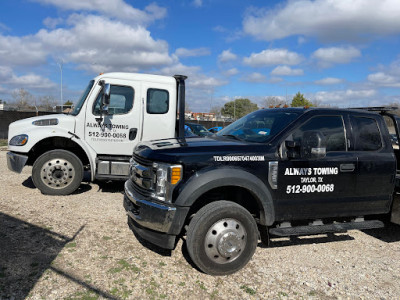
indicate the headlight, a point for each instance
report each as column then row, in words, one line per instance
column 167, row 176
column 19, row 140
column 45, row 122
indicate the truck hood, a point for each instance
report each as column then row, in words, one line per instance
column 25, row 126
column 209, row 148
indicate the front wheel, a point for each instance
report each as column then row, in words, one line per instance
column 57, row 172
column 221, row 238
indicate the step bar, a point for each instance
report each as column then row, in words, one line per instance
column 326, row 228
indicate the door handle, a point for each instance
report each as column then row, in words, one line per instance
column 347, row 167
column 132, row 133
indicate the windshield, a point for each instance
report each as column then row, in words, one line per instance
column 259, row 126
column 79, row 105
column 197, row 129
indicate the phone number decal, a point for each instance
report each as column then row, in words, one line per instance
column 312, row 188
column 115, row 135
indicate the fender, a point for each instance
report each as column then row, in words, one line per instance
column 40, row 134
column 205, row 181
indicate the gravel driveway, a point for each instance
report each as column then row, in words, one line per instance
column 80, row 247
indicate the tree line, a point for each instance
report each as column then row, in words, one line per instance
column 240, row 107
column 24, row 100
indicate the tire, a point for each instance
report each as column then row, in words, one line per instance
column 221, row 238
column 57, row 172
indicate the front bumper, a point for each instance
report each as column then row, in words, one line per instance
column 154, row 222
column 16, row 162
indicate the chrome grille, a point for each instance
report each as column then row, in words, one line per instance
column 141, row 175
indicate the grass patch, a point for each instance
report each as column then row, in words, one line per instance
column 107, row 238
column 87, row 295
column 3, row 142
column 248, row 290
column 124, row 265
column 70, row 245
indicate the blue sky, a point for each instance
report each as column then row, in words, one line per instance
column 338, row 52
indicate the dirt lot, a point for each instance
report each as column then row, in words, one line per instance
column 80, row 247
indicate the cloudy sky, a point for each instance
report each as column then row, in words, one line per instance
column 339, row 52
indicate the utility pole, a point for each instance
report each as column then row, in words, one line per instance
column 60, row 64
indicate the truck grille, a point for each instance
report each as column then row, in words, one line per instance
column 141, row 175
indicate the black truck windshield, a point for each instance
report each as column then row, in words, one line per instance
column 79, row 105
column 260, row 126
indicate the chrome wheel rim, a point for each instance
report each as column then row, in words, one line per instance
column 225, row 241
column 57, row 173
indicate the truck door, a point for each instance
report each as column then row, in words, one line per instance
column 117, row 133
column 376, row 167
column 311, row 184
column 159, row 111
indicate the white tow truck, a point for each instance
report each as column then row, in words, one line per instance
column 114, row 113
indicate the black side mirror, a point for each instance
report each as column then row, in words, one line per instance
column 292, row 149
column 105, row 99
column 313, row 144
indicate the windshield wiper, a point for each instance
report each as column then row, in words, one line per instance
column 232, row 136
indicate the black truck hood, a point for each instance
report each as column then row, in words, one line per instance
column 181, row 150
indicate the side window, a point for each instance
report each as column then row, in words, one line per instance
column 121, row 100
column 332, row 129
column 157, row 101
column 366, row 134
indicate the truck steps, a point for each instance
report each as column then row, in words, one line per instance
column 288, row 230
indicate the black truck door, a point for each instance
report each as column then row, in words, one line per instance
column 376, row 167
column 317, row 179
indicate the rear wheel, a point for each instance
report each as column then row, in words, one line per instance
column 222, row 237
column 57, row 172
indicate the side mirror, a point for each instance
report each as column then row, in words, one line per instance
column 292, row 149
column 313, row 145
column 105, row 99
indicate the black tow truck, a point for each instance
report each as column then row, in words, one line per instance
column 275, row 172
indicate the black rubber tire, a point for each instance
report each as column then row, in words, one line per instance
column 203, row 220
column 66, row 156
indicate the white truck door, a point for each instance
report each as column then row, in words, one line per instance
column 159, row 111
column 118, row 132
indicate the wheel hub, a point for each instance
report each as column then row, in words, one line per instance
column 225, row 241
column 57, row 173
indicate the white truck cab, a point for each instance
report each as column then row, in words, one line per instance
column 115, row 112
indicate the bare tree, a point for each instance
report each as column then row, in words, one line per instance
column 47, row 103
column 23, row 99
column 273, row 101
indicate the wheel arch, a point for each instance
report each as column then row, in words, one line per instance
column 232, row 184
column 59, row 142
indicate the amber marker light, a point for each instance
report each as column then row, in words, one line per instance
column 175, row 174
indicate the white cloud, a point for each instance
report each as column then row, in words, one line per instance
column 347, row 97
column 332, row 20
column 231, row 72
column 273, row 57
column 118, row 9
column 30, row 80
column 183, row 52
column 227, row 55
column 335, row 55
column 286, row 71
column 383, row 79
column 328, row 81
column 52, row 23
column 255, row 78
column 197, row 3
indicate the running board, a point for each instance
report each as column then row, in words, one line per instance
column 328, row 228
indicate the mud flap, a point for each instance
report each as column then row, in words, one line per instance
column 395, row 216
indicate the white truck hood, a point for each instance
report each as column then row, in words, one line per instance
column 64, row 127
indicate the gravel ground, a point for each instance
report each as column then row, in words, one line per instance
column 80, row 247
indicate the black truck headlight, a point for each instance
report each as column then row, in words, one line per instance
column 19, row 140
column 167, row 177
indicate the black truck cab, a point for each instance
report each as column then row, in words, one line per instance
column 275, row 172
